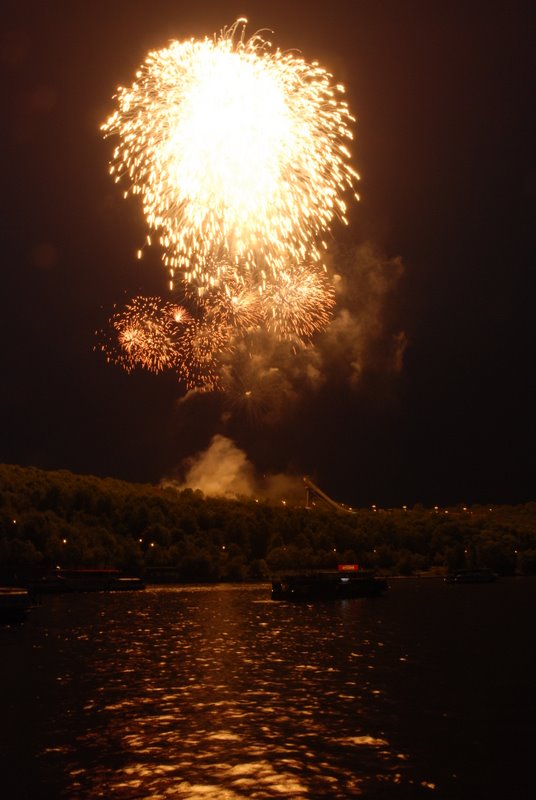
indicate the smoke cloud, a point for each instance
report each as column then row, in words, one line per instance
column 224, row 470
column 268, row 379
column 360, row 336
column 271, row 383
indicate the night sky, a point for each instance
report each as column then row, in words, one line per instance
column 443, row 95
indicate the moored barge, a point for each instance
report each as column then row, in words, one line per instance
column 472, row 575
column 344, row 584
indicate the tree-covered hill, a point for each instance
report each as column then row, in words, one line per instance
column 50, row 519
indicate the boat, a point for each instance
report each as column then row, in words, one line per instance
column 86, row 580
column 15, row 602
column 344, row 584
column 474, row 575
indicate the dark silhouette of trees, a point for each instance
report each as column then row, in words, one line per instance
column 50, row 519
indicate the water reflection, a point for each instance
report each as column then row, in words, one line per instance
column 221, row 693
column 195, row 693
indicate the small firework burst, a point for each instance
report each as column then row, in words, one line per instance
column 143, row 334
column 253, row 385
column 298, row 303
column 251, row 390
column 180, row 314
column 235, row 304
column 201, row 346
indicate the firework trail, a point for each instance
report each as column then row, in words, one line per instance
column 239, row 153
column 143, row 334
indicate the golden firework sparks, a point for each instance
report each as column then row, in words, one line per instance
column 298, row 303
column 235, row 304
column 143, row 334
column 179, row 314
column 239, row 152
column 252, row 387
column 200, row 350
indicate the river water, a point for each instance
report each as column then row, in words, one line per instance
column 219, row 692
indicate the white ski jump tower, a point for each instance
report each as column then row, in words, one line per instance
column 312, row 491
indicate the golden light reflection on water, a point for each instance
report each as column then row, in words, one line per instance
column 197, row 693
column 211, row 694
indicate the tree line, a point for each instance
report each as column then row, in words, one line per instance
column 60, row 519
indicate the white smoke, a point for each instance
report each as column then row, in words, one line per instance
column 268, row 381
column 224, row 470
column 268, row 378
column 265, row 379
column 359, row 336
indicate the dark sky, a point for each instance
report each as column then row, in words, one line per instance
column 443, row 94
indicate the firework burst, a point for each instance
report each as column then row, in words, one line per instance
column 236, row 304
column 179, row 314
column 252, row 385
column 201, row 347
column 238, row 151
column 143, row 334
column 299, row 303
